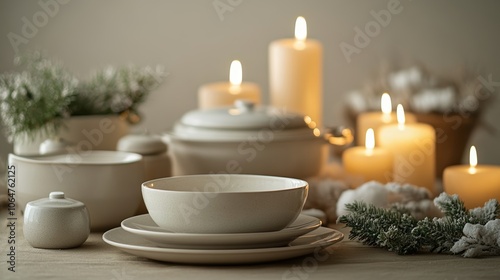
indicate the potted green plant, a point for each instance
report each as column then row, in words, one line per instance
column 45, row 101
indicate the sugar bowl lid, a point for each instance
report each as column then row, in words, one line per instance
column 56, row 199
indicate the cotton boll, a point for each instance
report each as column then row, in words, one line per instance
column 405, row 79
column 398, row 81
column 415, row 199
column 414, row 76
column 405, row 193
column 372, row 192
column 421, row 209
column 429, row 100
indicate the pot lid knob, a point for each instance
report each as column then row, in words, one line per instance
column 244, row 105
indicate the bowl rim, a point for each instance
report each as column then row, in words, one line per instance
column 60, row 158
column 301, row 184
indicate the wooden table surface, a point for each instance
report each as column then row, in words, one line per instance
column 346, row 260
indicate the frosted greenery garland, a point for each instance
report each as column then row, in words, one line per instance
column 396, row 230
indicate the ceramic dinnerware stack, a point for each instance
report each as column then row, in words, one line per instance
column 222, row 219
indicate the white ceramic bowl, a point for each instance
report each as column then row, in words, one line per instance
column 107, row 182
column 224, row 203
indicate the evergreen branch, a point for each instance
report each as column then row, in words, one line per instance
column 397, row 231
column 380, row 227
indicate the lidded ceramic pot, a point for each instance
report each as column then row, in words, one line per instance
column 56, row 222
column 249, row 139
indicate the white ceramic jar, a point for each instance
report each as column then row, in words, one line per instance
column 56, row 222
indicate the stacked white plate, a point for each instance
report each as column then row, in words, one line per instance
column 140, row 236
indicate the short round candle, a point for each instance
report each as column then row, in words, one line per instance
column 368, row 163
column 221, row 94
column 375, row 120
column 413, row 148
column 474, row 184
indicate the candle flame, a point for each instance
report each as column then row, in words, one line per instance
column 400, row 112
column 235, row 73
column 300, row 29
column 472, row 159
column 385, row 104
column 370, row 139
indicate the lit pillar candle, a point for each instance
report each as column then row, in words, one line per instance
column 474, row 184
column 295, row 74
column 376, row 119
column 413, row 148
column 222, row 94
column 363, row 164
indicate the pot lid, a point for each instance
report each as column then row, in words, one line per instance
column 241, row 121
column 56, row 200
column 144, row 144
column 243, row 115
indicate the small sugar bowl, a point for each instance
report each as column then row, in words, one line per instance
column 56, row 222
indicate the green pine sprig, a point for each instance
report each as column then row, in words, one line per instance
column 397, row 231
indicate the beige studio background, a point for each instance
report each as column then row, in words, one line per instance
column 196, row 43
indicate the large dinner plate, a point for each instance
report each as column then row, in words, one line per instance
column 311, row 242
column 145, row 227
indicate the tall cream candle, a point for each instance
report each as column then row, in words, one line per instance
column 295, row 74
column 413, row 147
column 375, row 120
column 226, row 93
column 474, row 184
